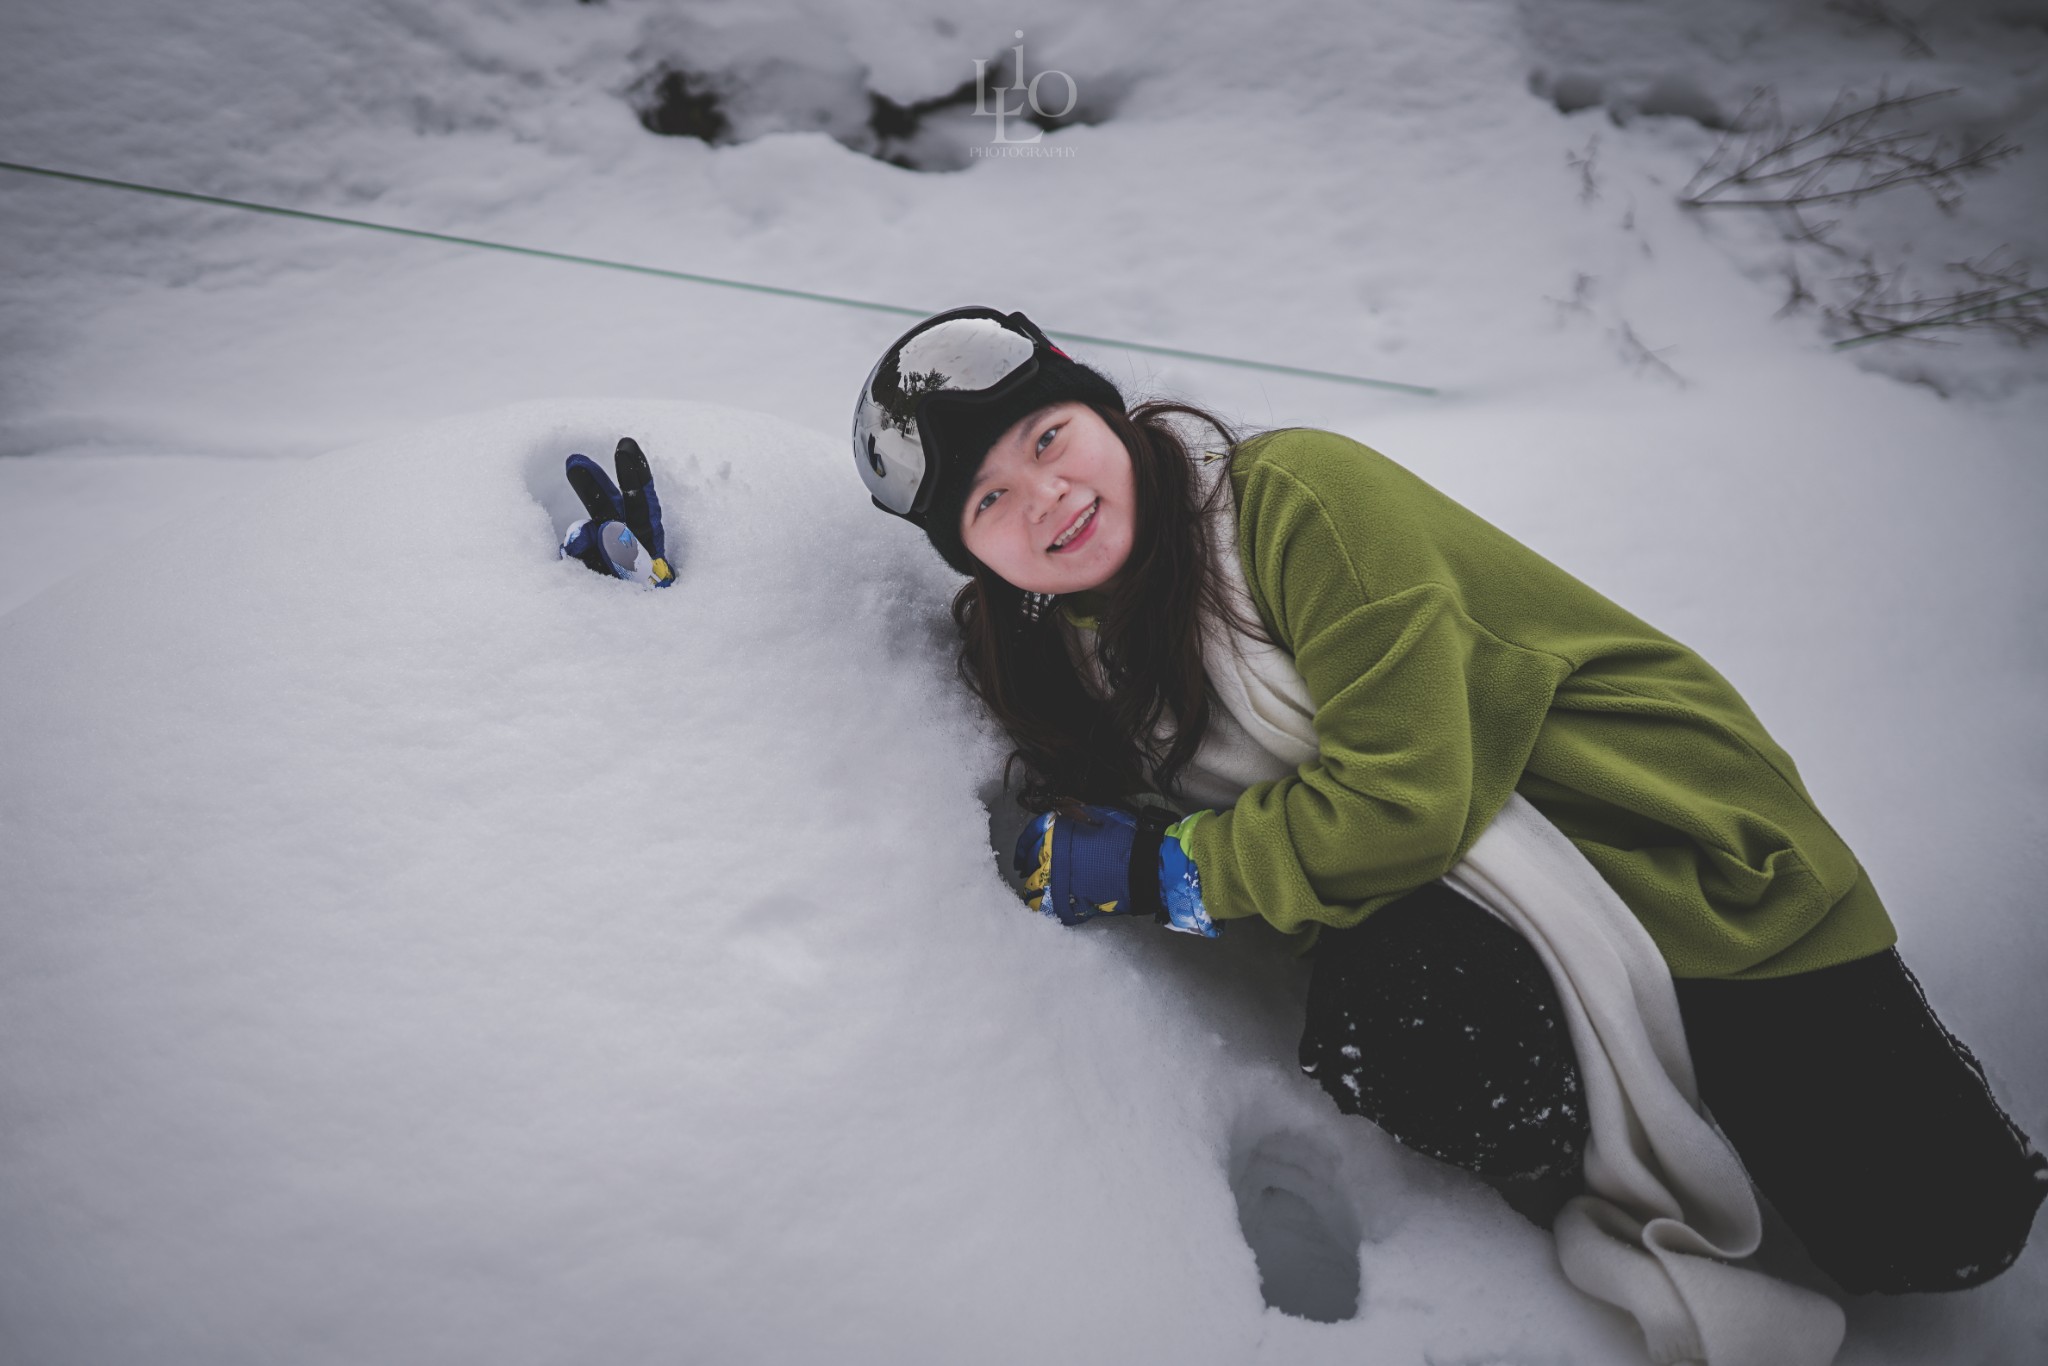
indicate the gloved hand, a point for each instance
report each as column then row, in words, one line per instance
column 1108, row 861
column 623, row 536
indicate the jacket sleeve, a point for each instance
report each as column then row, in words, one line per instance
column 1423, row 718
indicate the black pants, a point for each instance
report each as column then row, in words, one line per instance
column 1864, row 1121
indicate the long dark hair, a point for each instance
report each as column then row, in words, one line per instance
column 1072, row 744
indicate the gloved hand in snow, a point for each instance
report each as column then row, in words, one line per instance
column 1108, row 861
column 622, row 536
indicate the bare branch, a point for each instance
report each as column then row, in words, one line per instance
column 1580, row 301
column 1797, row 295
column 1938, row 176
column 1999, row 300
column 1857, row 148
column 1643, row 357
column 1877, row 14
column 1761, row 109
column 1780, row 166
column 1818, row 234
column 1582, row 162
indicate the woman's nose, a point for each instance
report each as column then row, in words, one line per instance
column 1045, row 494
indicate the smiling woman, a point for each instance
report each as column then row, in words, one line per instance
column 1051, row 510
column 1358, row 678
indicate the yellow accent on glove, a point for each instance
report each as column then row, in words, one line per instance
column 1041, row 876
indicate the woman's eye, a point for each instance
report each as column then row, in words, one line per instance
column 988, row 500
column 1044, row 438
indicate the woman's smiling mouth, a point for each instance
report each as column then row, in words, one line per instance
column 1077, row 530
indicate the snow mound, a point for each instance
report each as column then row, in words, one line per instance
column 419, row 948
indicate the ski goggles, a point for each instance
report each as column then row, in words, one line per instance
column 969, row 354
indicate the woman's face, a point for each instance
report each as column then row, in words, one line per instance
column 1053, row 509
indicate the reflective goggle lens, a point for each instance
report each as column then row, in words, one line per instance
column 968, row 352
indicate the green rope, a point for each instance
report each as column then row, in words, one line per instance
column 603, row 264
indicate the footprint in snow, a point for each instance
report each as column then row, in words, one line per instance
column 1302, row 1231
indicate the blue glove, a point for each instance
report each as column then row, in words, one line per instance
column 1109, row 861
column 623, row 536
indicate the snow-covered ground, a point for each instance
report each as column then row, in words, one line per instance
column 415, row 949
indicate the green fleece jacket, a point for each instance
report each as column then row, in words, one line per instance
column 1451, row 665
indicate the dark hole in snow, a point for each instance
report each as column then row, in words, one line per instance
column 769, row 95
column 888, row 119
column 1570, row 91
column 1302, row 1232
column 1679, row 96
column 1669, row 94
column 680, row 106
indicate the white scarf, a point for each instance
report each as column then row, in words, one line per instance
column 1668, row 1204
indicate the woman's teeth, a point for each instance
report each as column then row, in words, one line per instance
column 1080, row 525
